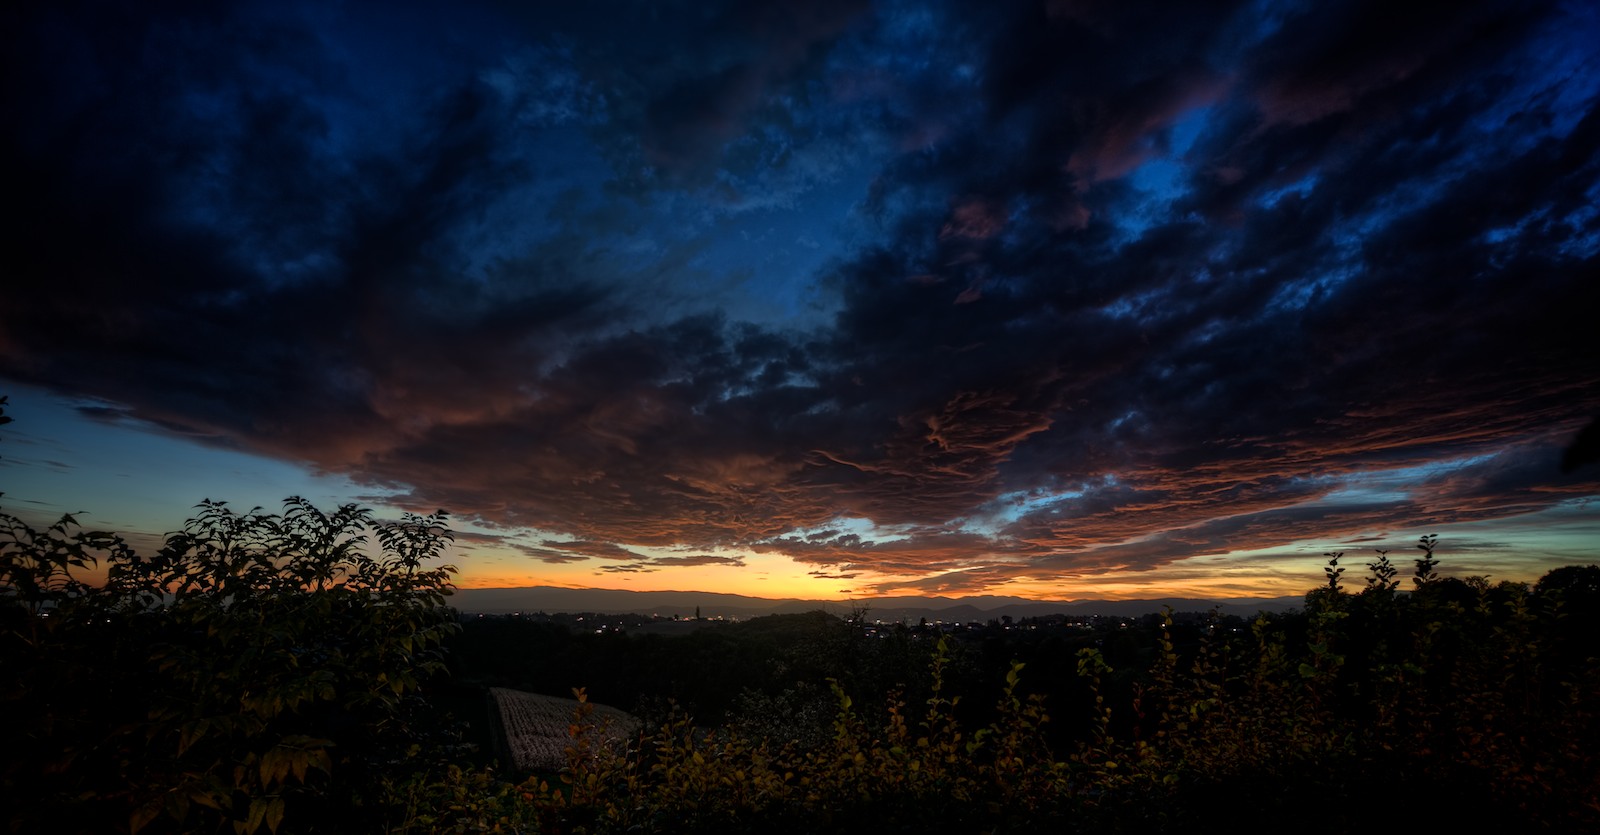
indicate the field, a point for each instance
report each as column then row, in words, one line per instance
column 532, row 732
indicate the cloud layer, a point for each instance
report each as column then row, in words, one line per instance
column 917, row 295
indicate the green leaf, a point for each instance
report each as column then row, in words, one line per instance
column 258, row 812
column 143, row 815
column 275, row 814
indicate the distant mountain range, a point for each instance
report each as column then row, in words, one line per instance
column 552, row 600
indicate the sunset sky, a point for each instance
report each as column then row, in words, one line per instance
column 818, row 299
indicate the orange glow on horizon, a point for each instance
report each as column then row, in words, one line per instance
column 774, row 577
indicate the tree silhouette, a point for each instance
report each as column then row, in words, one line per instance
column 258, row 668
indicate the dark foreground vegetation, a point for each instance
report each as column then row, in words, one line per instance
column 302, row 672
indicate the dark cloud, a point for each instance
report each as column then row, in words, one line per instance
column 1119, row 287
column 1584, row 448
column 626, row 568
column 109, row 414
column 600, row 550
column 645, row 566
column 550, row 557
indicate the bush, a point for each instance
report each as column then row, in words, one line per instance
column 257, row 669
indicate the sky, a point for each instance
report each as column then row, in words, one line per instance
column 823, row 299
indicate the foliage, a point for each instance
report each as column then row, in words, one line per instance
column 257, row 670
